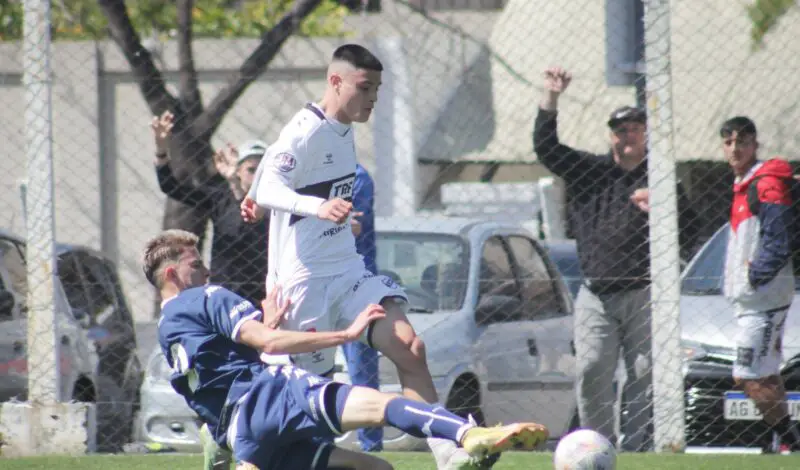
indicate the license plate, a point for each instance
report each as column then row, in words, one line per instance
column 740, row 408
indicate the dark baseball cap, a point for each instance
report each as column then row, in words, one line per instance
column 627, row 114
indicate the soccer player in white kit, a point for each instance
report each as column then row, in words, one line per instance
column 306, row 179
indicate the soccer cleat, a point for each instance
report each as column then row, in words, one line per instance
column 214, row 456
column 482, row 443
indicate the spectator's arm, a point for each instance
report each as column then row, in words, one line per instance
column 775, row 217
column 185, row 193
column 564, row 161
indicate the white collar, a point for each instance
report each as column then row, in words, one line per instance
column 752, row 171
column 339, row 127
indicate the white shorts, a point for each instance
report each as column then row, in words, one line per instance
column 758, row 343
column 331, row 304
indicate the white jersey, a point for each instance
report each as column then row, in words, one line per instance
column 313, row 160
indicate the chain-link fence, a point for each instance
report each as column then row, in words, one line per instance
column 479, row 195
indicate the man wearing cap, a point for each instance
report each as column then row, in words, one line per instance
column 238, row 249
column 608, row 208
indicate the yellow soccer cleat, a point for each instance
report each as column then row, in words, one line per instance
column 484, row 442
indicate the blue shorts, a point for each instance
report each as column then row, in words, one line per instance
column 288, row 419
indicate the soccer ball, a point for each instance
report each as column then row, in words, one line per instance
column 585, row 449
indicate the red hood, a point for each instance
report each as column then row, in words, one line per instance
column 775, row 167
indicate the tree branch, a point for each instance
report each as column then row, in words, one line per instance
column 189, row 91
column 254, row 66
column 150, row 80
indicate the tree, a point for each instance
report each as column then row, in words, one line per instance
column 764, row 15
column 274, row 21
column 195, row 122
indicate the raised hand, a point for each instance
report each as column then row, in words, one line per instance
column 225, row 161
column 162, row 131
column 556, row 80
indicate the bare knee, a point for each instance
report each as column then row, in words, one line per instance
column 395, row 337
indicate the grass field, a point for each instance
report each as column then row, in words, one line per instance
column 420, row 461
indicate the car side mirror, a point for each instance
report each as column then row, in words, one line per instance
column 82, row 317
column 497, row 309
column 6, row 304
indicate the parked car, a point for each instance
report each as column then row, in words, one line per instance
column 96, row 343
column 717, row 414
column 493, row 311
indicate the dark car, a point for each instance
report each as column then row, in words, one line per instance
column 97, row 346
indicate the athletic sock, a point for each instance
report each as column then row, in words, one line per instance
column 423, row 420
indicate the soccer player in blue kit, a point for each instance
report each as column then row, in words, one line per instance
column 282, row 417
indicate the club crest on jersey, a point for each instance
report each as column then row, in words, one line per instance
column 285, row 162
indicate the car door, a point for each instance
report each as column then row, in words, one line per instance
column 505, row 350
column 546, row 309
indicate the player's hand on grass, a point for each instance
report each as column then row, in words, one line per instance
column 250, row 211
column 273, row 311
column 162, row 130
column 372, row 313
column 336, row 210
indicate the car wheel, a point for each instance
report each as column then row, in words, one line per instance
column 465, row 399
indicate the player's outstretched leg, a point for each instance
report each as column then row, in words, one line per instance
column 360, row 407
column 396, row 339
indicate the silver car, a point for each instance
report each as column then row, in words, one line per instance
column 494, row 313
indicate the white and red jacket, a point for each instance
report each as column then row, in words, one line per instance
column 758, row 266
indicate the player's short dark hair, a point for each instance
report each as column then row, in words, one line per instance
column 163, row 248
column 358, row 56
column 742, row 125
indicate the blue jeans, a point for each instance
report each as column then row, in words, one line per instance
column 362, row 363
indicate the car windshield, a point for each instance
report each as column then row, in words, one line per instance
column 705, row 274
column 432, row 268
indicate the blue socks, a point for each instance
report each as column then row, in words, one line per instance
column 423, row 420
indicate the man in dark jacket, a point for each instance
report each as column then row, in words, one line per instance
column 608, row 208
column 238, row 249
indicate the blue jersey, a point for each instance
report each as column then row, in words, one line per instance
column 198, row 333
column 363, row 201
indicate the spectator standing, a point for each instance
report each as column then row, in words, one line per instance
column 759, row 273
column 608, row 206
column 238, row 249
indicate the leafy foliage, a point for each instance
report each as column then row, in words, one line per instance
column 83, row 19
column 764, row 15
